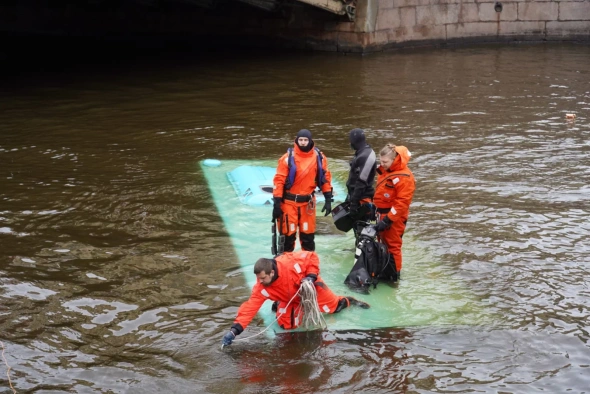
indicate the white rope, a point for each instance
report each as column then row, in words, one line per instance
column 312, row 316
column 7, row 368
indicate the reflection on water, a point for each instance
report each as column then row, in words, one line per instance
column 117, row 275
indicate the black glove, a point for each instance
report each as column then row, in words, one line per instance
column 383, row 224
column 353, row 209
column 228, row 338
column 277, row 212
column 310, row 278
column 328, row 204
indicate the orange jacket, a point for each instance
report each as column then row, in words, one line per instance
column 305, row 177
column 395, row 186
column 291, row 268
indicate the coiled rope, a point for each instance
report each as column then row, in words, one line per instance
column 312, row 316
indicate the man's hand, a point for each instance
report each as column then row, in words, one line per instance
column 328, row 203
column 277, row 212
column 383, row 224
column 228, row 338
column 309, row 278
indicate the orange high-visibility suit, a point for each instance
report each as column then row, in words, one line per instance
column 290, row 269
column 393, row 195
column 298, row 202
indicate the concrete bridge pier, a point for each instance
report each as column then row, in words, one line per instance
column 387, row 24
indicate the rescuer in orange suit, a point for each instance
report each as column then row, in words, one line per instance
column 393, row 195
column 279, row 280
column 303, row 168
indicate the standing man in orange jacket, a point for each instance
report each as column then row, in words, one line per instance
column 393, row 195
column 299, row 172
column 279, row 280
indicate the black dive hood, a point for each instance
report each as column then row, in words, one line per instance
column 357, row 139
column 306, row 134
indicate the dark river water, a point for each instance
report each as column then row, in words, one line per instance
column 115, row 268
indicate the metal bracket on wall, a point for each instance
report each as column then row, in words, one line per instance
column 350, row 11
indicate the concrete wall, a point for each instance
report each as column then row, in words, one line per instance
column 385, row 24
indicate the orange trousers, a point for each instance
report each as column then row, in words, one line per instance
column 298, row 216
column 392, row 238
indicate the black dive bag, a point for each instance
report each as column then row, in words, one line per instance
column 372, row 262
column 344, row 221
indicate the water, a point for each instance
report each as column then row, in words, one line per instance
column 117, row 276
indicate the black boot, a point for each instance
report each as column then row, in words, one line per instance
column 394, row 275
column 289, row 243
column 342, row 304
column 345, row 302
column 354, row 301
column 307, row 241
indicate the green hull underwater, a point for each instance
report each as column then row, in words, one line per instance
column 424, row 296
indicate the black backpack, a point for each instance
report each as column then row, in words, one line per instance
column 372, row 262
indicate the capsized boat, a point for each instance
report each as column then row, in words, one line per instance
column 253, row 185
